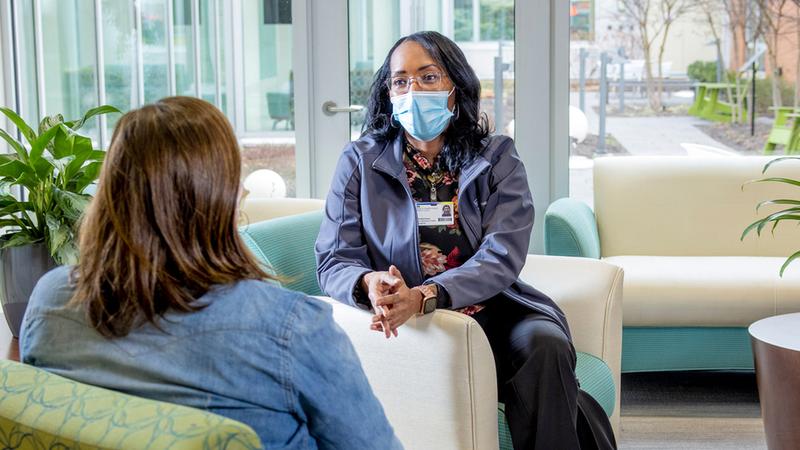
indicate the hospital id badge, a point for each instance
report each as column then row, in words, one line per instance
column 430, row 214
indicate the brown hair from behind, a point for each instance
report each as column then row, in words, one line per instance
column 162, row 228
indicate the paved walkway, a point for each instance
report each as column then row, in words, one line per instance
column 661, row 135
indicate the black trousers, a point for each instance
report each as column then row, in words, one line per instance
column 536, row 380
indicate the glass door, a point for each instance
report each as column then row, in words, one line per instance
column 361, row 32
column 483, row 29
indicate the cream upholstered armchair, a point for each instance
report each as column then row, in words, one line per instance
column 436, row 381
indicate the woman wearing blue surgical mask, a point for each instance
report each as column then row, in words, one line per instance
column 428, row 210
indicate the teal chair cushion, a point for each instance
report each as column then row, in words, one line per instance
column 286, row 245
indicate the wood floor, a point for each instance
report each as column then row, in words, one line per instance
column 691, row 410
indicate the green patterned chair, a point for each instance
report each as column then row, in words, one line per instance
column 40, row 410
column 593, row 310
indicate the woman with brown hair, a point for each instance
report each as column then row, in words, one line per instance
column 167, row 303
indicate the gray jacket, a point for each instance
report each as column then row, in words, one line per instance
column 370, row 223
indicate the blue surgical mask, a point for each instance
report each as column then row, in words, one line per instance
column 423, row 114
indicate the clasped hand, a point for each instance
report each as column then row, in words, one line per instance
column 393, row 302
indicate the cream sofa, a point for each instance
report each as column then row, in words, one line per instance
column 437, row 381
column 674, row 225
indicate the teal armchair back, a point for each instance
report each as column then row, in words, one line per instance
column 286, row 246
column 570, row 229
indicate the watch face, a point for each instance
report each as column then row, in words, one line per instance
column 430, row 305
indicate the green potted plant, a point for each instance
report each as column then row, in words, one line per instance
column 49, row 174
column 790, row 213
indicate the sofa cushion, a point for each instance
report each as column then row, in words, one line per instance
column 705, row 290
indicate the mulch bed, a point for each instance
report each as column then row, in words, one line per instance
column 276, row 157
column 588, row 147
column 737, row 136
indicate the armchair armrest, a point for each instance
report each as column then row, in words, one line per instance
column 593, row 306
column 258, row 209
column 570, row 229
column 436, row 380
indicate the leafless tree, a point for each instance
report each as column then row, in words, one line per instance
column 736, row 10
column 669, row 12
column 709, row 9
column 770, row 27
column 653, row 20
column 797, row 53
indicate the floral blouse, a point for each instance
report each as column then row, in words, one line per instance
column 441, row 247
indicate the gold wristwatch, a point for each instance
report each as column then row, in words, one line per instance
column 429, row 299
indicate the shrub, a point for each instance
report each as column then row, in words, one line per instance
column 703, row 71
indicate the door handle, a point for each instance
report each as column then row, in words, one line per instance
column 330, row 108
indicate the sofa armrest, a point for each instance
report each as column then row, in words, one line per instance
column 570, row 229
column 436, row 380
column 590, row 294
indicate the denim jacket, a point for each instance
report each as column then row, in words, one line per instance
column 370, row 223
column 268, row 357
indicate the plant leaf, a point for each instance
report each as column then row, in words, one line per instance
column 57, row 233
column 38, row 146
column 776, row 180
column 82, row 153
column 23, row 154
column 14, row 169
column 782, row 158
column 43, row 167
column 69, row 143
column 8, row 223
column 23, row 127
column 72, row 205
column 17, row 239
column 97, row 155
column 87, row 176
column 105, row 109
column 67, row 254
column 782, row 201
column 789, row 260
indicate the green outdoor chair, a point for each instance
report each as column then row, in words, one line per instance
column 784, row 131
column 40, row 410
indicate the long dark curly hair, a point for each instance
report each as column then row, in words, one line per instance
column 469, row 127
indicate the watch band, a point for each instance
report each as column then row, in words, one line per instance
column 427, row 293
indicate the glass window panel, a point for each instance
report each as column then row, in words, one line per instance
column 269, row 89
column 119, row 38
column 462, row 16
column 69, row 53
column 29, row 108
column 497, row 20
column 375, row 25
column 70, row 65
column 222, row 30
column 184, row 47
column 155, row 57
column 208, row 57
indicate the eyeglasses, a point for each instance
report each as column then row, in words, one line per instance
column 428, row 81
